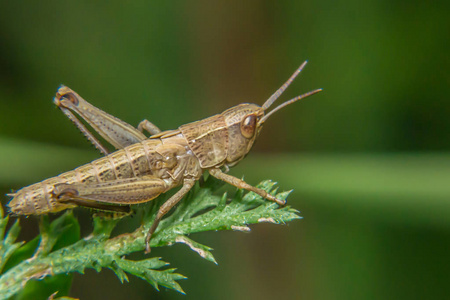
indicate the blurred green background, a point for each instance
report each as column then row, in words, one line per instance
column 368, row 158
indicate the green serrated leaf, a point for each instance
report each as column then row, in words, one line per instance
column 163, row 278
column 152, row 263
column 266, row 185
column 69, row 232
column 6, row 252
column 148, row 276
column 177, row 276
column 24, row 252
column 3, row 223
column 202, row 210
column 222, row 202
column 8, row 245
column 62, row 232
column 12, row 234
column 146, row 269
column 104, row 227
column 202, row 250
column 119, row 273
column 284, row 195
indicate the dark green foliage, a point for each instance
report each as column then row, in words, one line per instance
column 60, row 233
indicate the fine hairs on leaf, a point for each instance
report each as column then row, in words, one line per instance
column 54, row 253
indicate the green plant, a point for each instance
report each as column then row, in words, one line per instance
column 44, row 265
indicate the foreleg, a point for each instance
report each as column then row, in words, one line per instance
column 239, row 183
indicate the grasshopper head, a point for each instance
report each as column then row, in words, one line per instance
column 245, row 121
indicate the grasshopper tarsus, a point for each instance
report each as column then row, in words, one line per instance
column 143, row 168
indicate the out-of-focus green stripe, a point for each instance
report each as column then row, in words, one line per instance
column 408, row 188
column 412, row 175
column 24, row 162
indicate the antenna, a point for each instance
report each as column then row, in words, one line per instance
column 280, row 91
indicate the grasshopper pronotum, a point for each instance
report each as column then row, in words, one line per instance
column 143, row 168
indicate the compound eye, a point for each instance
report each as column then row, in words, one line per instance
column 248, row 126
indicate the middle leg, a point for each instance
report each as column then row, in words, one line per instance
column 165, row 208
column 149, row 127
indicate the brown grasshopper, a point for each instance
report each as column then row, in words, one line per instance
column 143, row 168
